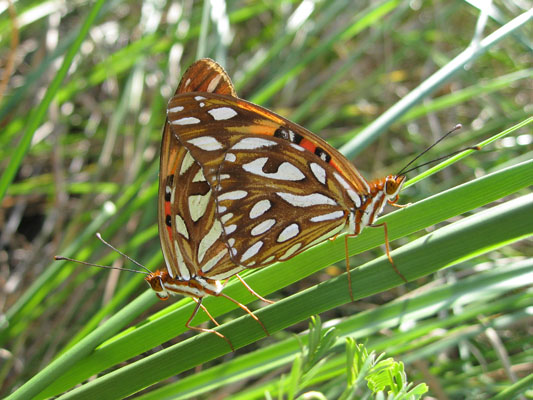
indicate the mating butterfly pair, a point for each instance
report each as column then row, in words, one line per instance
column 241, row 187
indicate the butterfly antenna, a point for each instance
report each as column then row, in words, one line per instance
column 404, row 170
column 121, row 253
column 59, row 258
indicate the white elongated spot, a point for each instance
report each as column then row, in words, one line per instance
column 186, row 163
column 328, row 217
column 268, row 260
column 235, row 195
column 214, row 83
column 187, row 82
column 369, row 215
column 263, row 227
column 290, row 251
column 230, row 157
column 307, row 200
column 286, row 171
column 198, row 204
column 213, row 261
column 182, row 267
column 199, row 98
column 181, row 227
column 185, row 121
column 228, row 230
column 355, row 198
column 260, row 208
column 346, row 186
column 227, row 274
column 252, row 251
column 297, row 147
column 319, row 173
column 207, row 143
column 222, row 113
column 223, row 176
column 175, row 109
column 221, row 209
column 288, row 232
column 226, row 217
column 209, row 239
column 252, row 143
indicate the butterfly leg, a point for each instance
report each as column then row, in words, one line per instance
column 387, row 248
column 253, row 291
column 195, row 328
column 247, row 310
column 348, row 266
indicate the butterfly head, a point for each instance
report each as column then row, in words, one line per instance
column 393, row 185
column 155, row 280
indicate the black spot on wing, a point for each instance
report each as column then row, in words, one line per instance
column 287, row 134
column 324, row 156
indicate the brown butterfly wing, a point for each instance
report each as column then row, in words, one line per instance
column 275, row 201
column 220, row 131
column 186, row 209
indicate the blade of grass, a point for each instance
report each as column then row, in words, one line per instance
column 38, row 115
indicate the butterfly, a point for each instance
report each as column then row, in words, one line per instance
column 241, row 187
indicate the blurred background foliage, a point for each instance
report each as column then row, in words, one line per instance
column 84, row 90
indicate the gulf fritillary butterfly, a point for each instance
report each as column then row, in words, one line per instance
column 241, row 187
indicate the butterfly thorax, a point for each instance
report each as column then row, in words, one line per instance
column 382, row 191
column 163, row 285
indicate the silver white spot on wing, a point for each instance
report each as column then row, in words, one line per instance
column 263, row 227
column 186, row 163
column 199, row 177
column 222, row 113
column 235, row 195
column 175, row 109
column 260, row 208
column 221, row 209
column 252, row 251
column 253, row 143
column 308, row 200
column 181, row 228
column 327, row 217
column 297, row 147
column 207, row 143
column 226, row 217
column 268, row 260
column 223, row 176
column 230, row 157
column 319, row 173
column 213, row 261
column 209, row 239
column 199, row 98
column 198, row 204
column 290, row 251
column 288, row 232
column 286, row 171
column 182, row 267
column 228, row 230
column 185, row 121
column 355, row 198
column 214, row 83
